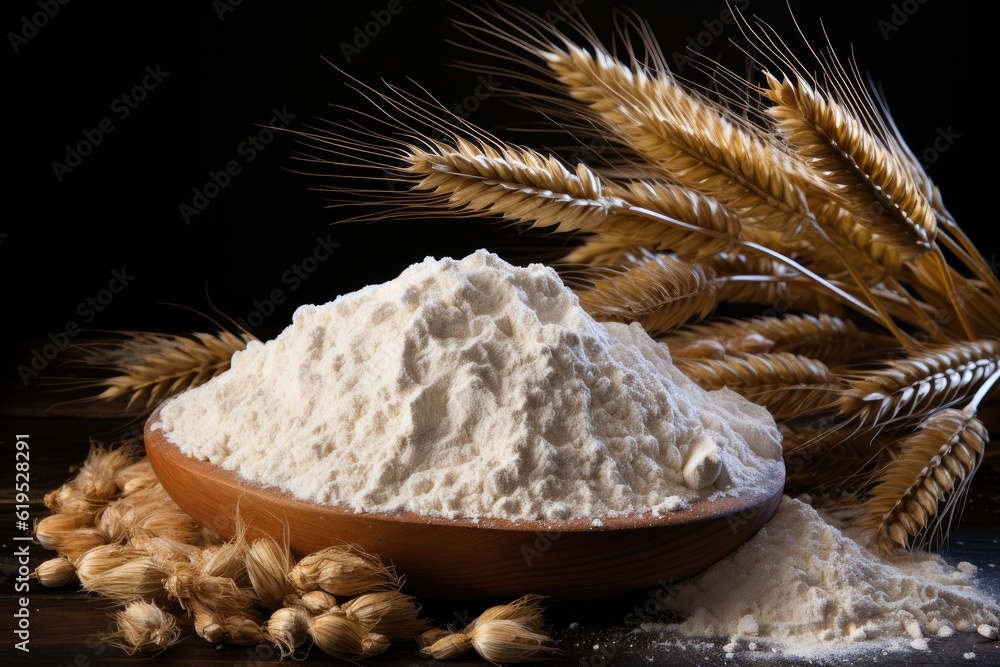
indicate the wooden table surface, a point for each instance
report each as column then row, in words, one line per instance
column 66, row 624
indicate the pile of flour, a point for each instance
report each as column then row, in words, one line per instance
column 472, row 388
column 805, row 587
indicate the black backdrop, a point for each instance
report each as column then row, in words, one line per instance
column 109, row 225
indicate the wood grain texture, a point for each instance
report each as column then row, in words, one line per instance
column 461, row 559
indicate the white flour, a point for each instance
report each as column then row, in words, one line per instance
column 472, row 388
column 810, row 589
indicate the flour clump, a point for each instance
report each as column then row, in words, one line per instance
column 472, row 388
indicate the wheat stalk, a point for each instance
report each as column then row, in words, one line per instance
column 753, row 279
column 675, row 203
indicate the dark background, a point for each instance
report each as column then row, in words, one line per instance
column 230, row 66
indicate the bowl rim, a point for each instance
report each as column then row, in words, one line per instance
column 698, row 510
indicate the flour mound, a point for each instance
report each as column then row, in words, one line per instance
column 813, row 589
column 472, row 388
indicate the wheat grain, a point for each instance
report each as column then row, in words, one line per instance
column 345, row 638
column 143, row 626
column 388, row 613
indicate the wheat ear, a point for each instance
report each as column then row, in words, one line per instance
column 681, row 135
column 933, row 464
column 659, row 291
column 463, row 171
column 832, row 124
column 826, row 338
column 788, row 385
column 149, row 367
column 522, row 185
column 600, row 250
column 676, row 203
column 936, row 376
column 876, row 186
column 693, row 141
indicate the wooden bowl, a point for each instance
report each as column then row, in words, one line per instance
column 461, row 558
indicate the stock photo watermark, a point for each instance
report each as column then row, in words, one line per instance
column 225, row 7
column 32, row 23
column 121, row 108
column 945, row 139
column 22, row 541
column 714, row 29
column 899, row 14
column 292, row 279
column 247, row 151
column 87, row 311
column 543, row 542
column 365, row 33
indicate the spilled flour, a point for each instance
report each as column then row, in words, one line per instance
column 810, row 589
column 472, row 388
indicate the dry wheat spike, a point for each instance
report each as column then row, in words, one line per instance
column 789, row 189
column 144, row 368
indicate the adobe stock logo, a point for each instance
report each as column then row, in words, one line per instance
column 31, row 24
column 364, row 33
column 246, row 152
column 293, row 277
column 87, row 310
column 121, row 108
column 698, row 43
column 900, row 14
